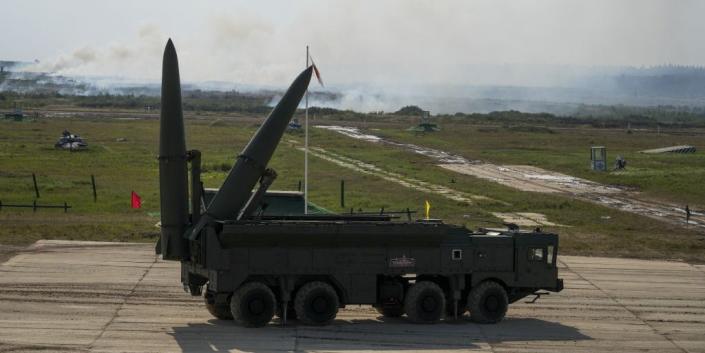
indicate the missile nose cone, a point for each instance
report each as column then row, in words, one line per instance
column 296, row 91
column 170, row 64
column 237, row 188
column 172, row 134
column 169, row 47
column 304, row 77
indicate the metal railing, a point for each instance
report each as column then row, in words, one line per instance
column 34, row 206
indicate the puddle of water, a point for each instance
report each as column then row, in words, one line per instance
column 438, row 155
column 548, row 177
column 350, row 132
column 534, row 179
column 526, row 219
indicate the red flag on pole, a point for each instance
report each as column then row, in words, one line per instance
column 316, row 72
column 136, row 200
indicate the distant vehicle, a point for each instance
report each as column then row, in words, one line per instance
column 294, row 125
column 250, row 262
column 72, row 142
column 425, row 125
column 16, row 115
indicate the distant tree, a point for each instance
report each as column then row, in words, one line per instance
column 410, row 110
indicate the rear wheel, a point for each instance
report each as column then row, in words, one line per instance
column 316, row 303
column 425, row 303
column 488, row 303
column 219, row 311
column 253, row 304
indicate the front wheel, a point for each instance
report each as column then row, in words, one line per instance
column 219, row 311
column 253, row 304
column 316, row 303
column 488, row 303
column 425, row 303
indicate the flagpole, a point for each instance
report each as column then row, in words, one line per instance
column 306, row 146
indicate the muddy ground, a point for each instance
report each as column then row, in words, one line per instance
column 530, row 178
column 119, row 297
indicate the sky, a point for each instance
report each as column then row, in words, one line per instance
column 384, row 42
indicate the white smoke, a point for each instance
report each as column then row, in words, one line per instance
column 395, row 41
column 388, row 53
column 136, row 61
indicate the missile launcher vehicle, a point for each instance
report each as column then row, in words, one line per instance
column 250, row 266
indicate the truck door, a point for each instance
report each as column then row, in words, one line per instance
column 532, row 260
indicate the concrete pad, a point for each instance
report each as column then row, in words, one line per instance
column 116, row 297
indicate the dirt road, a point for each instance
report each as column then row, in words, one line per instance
column 111, row 297
column 534, row 179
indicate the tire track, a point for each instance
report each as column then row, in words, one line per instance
column 534, row 179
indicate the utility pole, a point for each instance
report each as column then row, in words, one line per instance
column 306, row 146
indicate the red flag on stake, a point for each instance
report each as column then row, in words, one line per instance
column 136, row 200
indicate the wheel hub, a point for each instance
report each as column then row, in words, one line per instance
column 256, row 306
column 428, row 304
column 492, row 303
column 319, row 305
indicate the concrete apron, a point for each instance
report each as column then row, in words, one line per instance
column 118, row 297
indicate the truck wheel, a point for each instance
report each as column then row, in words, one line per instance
column 425, row 303
column 488, row 303
column 253, row 304
column 316, row 303
column 390, row 311
column 219, row 311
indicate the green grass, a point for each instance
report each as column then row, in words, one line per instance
column 588, row 230
column 673, row 177
column 120, row 167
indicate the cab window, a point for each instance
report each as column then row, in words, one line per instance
column 536, row 254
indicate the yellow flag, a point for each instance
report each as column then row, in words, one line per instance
column 428, row 210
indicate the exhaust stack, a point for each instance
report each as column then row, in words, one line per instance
column 173, row 179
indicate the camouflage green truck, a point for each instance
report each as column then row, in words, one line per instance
column 251, row 264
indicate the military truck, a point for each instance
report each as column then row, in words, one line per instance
column 250, row 265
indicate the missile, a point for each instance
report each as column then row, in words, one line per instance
column 173, row 178
column 252, row 161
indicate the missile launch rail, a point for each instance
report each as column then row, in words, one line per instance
column 249, row 266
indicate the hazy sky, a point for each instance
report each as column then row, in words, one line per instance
column 379, row 41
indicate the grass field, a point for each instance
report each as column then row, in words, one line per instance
column 674, row 177
column 121, row 167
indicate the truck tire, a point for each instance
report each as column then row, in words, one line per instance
column 425, row 303
column 316, row 303
column 390, row 311
column 221, row 311
column 488, row 303
column 253, row 304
